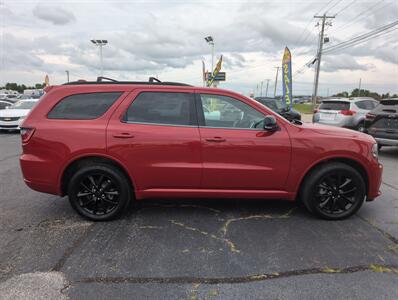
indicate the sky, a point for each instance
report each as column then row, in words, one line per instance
column 165, row 39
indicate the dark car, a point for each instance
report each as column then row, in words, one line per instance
column 382, row 123
column 277, row 106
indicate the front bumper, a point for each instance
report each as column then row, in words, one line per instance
column 386, row 142
column 10, row 125
column 375, row 177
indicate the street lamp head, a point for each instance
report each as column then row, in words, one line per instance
column 209, row 39
column 99, row 42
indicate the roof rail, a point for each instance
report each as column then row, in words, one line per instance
column 106, row 80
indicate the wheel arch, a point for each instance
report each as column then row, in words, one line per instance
column 349, row 161
column 78, row 162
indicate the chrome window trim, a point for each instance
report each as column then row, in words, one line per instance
column 157, row 124
column 191, row 126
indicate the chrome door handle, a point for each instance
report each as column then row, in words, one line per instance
column 123, row 135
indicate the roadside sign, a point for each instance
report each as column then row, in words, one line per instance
column 221, row 76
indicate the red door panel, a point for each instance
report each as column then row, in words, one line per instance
column 245, row 159
column 157, row 156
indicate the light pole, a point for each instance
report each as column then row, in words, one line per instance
column 266, row 90
column 276, row 80
column 67, row 75
column 261, row 89
column 209, row 39
column 100, row 44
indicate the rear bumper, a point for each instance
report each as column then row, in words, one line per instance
column 33, row 175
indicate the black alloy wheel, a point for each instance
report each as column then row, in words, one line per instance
column 99, row 192
column 335, row 191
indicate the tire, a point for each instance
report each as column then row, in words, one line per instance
column 333, row 191
column 361, row 127
column 104, row 192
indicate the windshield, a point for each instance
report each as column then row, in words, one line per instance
column 23, row 105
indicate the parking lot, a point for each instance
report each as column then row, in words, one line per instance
column 194, row 249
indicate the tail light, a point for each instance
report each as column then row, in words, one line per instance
column 26, row 134
column 348, row 112
column 370, row 116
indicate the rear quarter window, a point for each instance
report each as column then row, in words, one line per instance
column 83, row 106
column 335, row 105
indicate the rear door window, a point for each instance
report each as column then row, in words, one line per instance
column 83, row 106
column 335, row 105
column 162, row 108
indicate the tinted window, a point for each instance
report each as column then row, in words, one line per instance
column 366, row 104
column 162, row 108
column 83, row 106
column 227, row 112
column 335, row 105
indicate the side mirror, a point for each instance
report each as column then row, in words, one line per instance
column 270, row 123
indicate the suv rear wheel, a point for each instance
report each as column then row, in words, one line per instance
column 99, row 192
column 334, row 191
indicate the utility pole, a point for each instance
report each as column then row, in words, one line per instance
column 276, row 80
column 261, row 89
column 266, row 90
column 359, row 89
column 67, row 75
column 319, row 55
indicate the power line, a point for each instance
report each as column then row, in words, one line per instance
column 363, row 37
column 358, row 16
column 309, row 23
column 345, row 7
column 362, row 40
column 333, row 6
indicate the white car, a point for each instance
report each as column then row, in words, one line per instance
column 12, row 117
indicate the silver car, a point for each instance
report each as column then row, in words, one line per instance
column 344, row 112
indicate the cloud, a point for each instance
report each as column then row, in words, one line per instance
column 336, row 63
column 53, row 14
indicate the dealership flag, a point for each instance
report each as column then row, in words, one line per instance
column 287, row 78
column 217, row 69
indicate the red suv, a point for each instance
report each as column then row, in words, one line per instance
column 105, row 144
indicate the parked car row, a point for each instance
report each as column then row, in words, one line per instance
column 379, row 119
column 12, row 114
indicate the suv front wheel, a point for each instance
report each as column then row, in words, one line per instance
column 334, row 191
column 99, row 192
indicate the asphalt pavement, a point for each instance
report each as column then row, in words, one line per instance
column 194, row 249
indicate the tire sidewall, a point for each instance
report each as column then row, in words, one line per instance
column 115, row 175
column 316, row 176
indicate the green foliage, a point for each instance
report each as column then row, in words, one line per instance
column 21, row 87
column 364, row 93
column 305, row 108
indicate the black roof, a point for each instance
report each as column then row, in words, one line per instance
column 105, row 80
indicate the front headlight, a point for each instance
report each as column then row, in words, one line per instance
column 375, row 151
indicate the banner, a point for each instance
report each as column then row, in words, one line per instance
column 287, row 79
column 217, row 69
